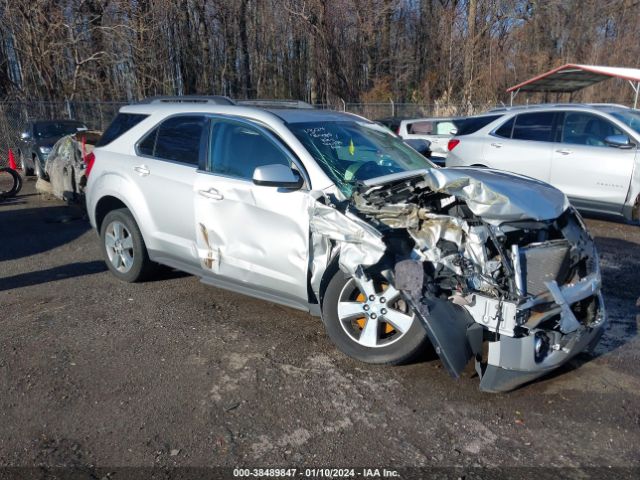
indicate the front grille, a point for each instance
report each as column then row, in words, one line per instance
column 544, row 262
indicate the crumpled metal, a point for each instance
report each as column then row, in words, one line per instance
column 360, row 243
column 65, row 167
column 498, row 196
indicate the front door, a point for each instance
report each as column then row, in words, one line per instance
column 255, row 236
column 593, row 175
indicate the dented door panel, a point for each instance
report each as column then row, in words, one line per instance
column 254, row 235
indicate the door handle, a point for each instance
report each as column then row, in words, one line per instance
column 142, row 170
column 564, row 152
column 211, row 194
column 497, row 145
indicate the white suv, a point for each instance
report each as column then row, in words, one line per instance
column 333, row 214
column 438, row 131
column 590, row 152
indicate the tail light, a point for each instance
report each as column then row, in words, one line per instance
column 89, row 160
column 453, row 143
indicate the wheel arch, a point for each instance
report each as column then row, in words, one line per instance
column 112, row 201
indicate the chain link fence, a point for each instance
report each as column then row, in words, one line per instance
column 14, row 117
column 97, row 115
column 376, row 111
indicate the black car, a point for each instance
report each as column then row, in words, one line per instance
column 38, row 138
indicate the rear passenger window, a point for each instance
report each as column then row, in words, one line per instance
column 237, row 149
column 146, row 146
column 121, row 124
column 424, row 128
column 534, row 126
column 505, row 130
column 177, row 139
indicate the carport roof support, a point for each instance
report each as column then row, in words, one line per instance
column 571, row 77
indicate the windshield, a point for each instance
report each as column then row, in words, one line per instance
column 351, row 152
column 56, row 129
column 631, row 118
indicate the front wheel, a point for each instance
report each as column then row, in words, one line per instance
column 370, row 321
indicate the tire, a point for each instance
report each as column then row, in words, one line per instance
column 37, row 169
column 348, row 331
column 17, row 183
column 121, row 240
column 28, row 172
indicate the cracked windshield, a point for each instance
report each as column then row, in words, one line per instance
column 352, row 152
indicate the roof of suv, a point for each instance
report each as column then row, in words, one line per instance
column 288, row 115
column 554, row 106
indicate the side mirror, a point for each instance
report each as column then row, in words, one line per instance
column 420, row 145
column 277, row 176
column 25, row 136
column 619, row 141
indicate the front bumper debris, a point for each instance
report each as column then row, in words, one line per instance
column 514, row 361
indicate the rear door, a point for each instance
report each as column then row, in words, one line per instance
column 523, row 144
column 253, row 236
column 595, row 176
column 166, row 165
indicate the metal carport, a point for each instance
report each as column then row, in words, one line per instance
column 571, row 77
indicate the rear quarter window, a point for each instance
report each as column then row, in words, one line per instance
column 473, row 124
column 121, row 124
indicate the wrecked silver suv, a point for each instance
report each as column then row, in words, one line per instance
column 330, row 213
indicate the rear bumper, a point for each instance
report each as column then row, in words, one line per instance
column 513, row 361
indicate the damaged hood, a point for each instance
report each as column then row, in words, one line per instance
column 494, row 195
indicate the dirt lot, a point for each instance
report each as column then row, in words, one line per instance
column 172, row 372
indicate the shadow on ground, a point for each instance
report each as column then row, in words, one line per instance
column 29, row 231
column 61, row 272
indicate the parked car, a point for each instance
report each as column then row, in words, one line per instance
column 37, row 140
column 590, row 152
column 332, row 214
column 418, row 144
column 392, row 123
column 438, row 131
column 65, row 166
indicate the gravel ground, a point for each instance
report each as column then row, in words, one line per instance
column 94, row 372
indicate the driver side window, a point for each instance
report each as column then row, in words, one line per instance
column 237, row 149
column 586, row 129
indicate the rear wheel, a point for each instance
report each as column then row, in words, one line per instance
column 369, row 321
column 37, row 168
column 10, row 182
column 123, row 247
column 28, row 172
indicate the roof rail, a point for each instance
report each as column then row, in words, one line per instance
column 213, row 99
column 267, row 103
column 536, row 105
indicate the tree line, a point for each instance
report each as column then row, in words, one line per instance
column 321, row 51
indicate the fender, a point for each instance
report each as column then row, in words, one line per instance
column 454, row 335
column 117, row 186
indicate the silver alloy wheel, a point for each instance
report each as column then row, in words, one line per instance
column 378, row 310
column 119, row 245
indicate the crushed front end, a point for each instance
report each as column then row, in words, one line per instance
column 498, row 269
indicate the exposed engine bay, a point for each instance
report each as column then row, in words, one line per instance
column 492, row 279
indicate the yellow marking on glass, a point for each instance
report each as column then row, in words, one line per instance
column 352, row 148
